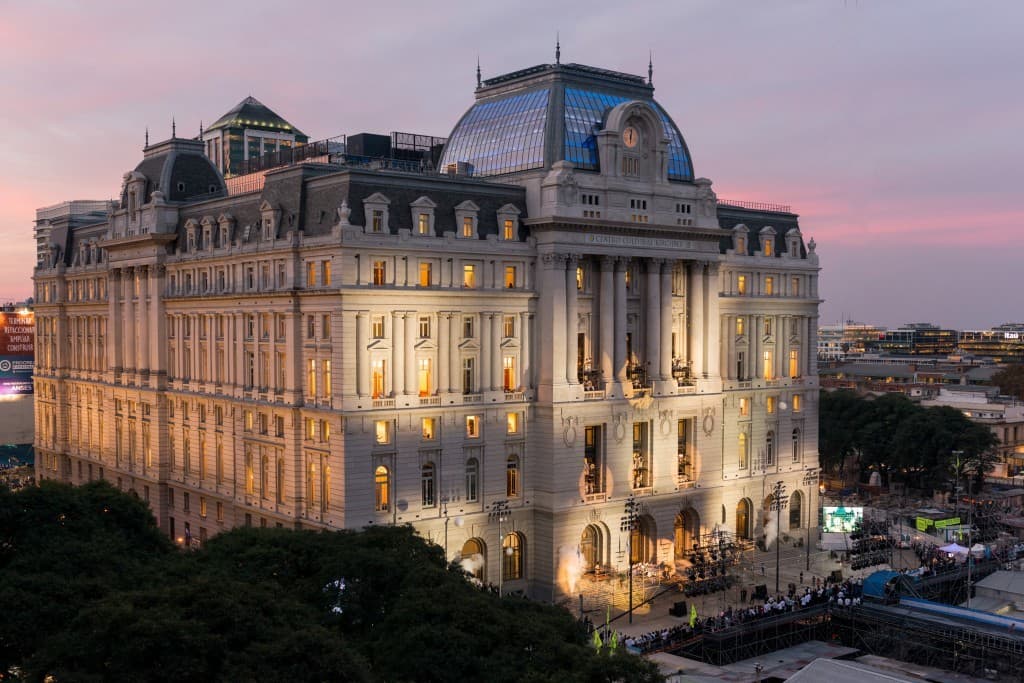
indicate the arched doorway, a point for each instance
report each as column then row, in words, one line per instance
column 474, row 558
column 592, row 547
column 687, row 532
column 796, row 502
column 743, row 518
column 642, row 540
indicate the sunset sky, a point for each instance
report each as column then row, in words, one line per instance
column 893, row 128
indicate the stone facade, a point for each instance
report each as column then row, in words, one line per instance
column 499, row 362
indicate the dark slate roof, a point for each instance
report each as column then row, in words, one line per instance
column 251, row 113
column 755, row 220
column 178, row 168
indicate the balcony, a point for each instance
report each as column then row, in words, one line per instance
column 383, row 403
column 639, row 376
column 515, row 395
column 595, row 395
column 472, row 398
column 430, row 400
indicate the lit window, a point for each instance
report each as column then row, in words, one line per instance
column 739, row 325
column 472, row 426
column 425, row 274
column 378, row 378
column 325, row 272
column 423, row 224
column 769, row 286
column 377, row 327
column 378, row 220
column 425, row 379
column 311, row 274
column 797, row 400
column 382, row 489
column 380, row 272
column 512, row 557
column 769, row 371
column 427, row 428
column 310, row 430
column 742, row 451
column 382, row 431
column 579, row 278
column 510, row 277
column 509, row 229
column 469, row 276
column 508, row 326
column 427, row 484
column 424, row 327
column 512, row 476
column 741, row 284
column 467, row 226
column 508, row 373
column 770, row 404
column 512, row 423
column 744, row 407
column 311, row 379
column 794, row 363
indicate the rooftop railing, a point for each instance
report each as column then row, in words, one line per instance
column 756, row 206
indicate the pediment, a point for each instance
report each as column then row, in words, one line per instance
column 510, row 343
column 468, row 205
column 509, row 209
column 469, row 345
column 379, row 345
column 423, row 202
column 425, row 345
column 376, row 198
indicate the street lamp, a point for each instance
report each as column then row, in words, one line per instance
column 628, row 525
column 458, row 522
column 499, row 512
column 779, row 497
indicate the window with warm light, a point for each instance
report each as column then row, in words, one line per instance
column 427, row 428
column 469, row 276
column 579, row 278
column 742, row 451
column 741, row 284
column 769, row 286
column 794, row 363
column 769, row 247
column 311, row 274
column 769, row 405
column 382, row 489
column 739, row 325
column 382, row 432
column 377, row 327
column 467, row 226
column 508, row 326
column 378, row 378
column 769, row 371
column 508, row 373
column 509, row 229
column 424, row 377
column 325, row 273
column 378, row 220
column 512, row 423
column 510, row 277
column 380, row 272
column 744, row 407
column 472, row 426
column 423, row 224
column 797, row 401
column 426, row 279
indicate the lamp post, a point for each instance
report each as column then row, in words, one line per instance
column 499, row 511
column 778, row 503
column 811, row 479
column 628, row 525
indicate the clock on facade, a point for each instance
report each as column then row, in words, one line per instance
column 630, row 137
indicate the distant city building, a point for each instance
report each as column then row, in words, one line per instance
column 249, row 131
column 1003, row 343
column 17, row 346
column 559, row 318
column 830, row 343
column 65, row 216
column 1005, row 417
column 916, row 339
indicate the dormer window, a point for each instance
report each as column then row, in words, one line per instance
column 466, row 219
column 191, row 230
column 793, row 243
column 739, row 239
column 508, row 223
column 767, row 235
column 423, row 216
column 269, row 220
column 225, row 224
column 376, row 213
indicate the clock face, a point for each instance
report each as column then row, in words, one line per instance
column 630, row 137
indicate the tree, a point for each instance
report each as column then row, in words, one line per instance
column 1010, row 380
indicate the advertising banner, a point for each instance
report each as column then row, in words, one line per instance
column 17, row 352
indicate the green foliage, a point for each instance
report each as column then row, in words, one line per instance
column 904, row 440
column 94, row 592
column 1010, row 380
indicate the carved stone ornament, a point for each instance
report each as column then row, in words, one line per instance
column 708, row 422
column 569, row 433
column 343, row 213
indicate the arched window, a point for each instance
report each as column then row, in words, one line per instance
column 769, row 448
column 472, row 479
column 474, row 558
column 512, row 557
column 382, row 489
column 427, row 484
column 591, row 547
column 512, row 483
column 796, row 445
column 264, row 477
column 795, row 510
column 743, row 451
column 743, row 519
column 279, row 485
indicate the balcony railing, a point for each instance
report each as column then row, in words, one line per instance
column 472, row 398
column 756, row 206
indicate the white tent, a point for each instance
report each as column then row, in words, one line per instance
column 954, row 549
column 978, row 550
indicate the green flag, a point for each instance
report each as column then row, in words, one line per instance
column 693, row 615
column 597, row 639
column 615, row 640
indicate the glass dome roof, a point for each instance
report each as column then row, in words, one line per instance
column 508, row 133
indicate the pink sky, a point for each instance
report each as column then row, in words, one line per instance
column 892, row 128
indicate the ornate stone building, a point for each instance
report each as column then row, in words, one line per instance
column 500, row 352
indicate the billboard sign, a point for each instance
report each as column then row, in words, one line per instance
column 841, row 519
column 17, row 352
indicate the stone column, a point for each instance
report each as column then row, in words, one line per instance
column 756, row 363
column 551, row 313
column 785, row 322
column 486, row 351
column 454, row 380
column 652, row 313
column 665, row 362
column 606, row 318
column 714, row 323
column 398, row 353
column 726, row 340
column 571, row 321
column 525, row 347
column 157, row 322
column 411, row 333
column 144, row 318
column 443, row 351
column 621, row 266
column 129, row 320
column 695, row 313
column 362, row 354
column 496, row 354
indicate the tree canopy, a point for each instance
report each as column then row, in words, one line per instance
column 1010, row 380
column 924, row 447
column 94, row 592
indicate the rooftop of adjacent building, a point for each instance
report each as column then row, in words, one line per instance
column 250, row 113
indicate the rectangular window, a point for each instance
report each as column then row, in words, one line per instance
column 425, row 274
column 510, row 277
column 797, row 401
column 739, row 326
column 684, row 466
column 472, row 426
column 741, row 284
column 311, row 379
column 469, row 276
column 327, row 379
column 794, row 286
column 467, row 226
column 769, row 286
column 509, row 380
column 380, row 273
column 382, row 432
column 468, row 375
column 310, row 327
column 509, row 326
column 377, row 327
column 744, row 407
column 769, row 405
column 467, row 327
column 378, row 378
column 311, row 274
column 325, row 326
column 378, row 220
column 593, row 465
column 509, row 230
column 310, row 428
column 769, row 371
column 424, row 327
column 427, row 428
column 641, row 455
column 794, row 363
column 325, row 273
column 767, row 327
column 423, row 224
column 512, row 423
column 424, row 377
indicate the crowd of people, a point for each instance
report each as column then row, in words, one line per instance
column 845, row 594
column 16, row 478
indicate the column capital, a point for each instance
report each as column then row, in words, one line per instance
column 622, row 262
column 654, row 264
column 553, row 261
